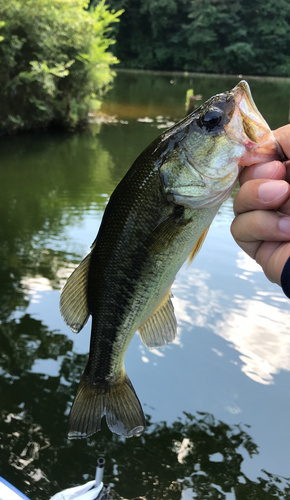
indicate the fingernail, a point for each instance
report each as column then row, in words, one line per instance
column 284, row 225
column 265, row 171
column 271, row 191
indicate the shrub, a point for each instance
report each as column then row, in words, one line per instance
column 55, row 65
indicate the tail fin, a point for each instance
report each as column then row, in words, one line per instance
column 118, row 402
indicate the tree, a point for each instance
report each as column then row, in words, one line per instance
column 55, row 63
column 214, row 36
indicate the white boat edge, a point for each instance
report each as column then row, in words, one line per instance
column 9, row 492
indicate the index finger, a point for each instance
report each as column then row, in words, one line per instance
column 275, row 170
column 261, row 194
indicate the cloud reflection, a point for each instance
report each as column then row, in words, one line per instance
column 255, row 324
column 259, row 332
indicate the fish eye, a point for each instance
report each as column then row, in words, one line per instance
column 211, row 119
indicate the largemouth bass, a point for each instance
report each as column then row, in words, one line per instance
column 157, row 217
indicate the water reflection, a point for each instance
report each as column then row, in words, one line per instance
column 54, row 190
column 149, row 94
column 44, row 191
column 254, row 327
column 263, row 341
column 253, row 317
column 196, row 456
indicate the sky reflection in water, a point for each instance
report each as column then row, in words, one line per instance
column 230, row 359
column 256, row 326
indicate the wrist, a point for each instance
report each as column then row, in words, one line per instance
column 285, row 278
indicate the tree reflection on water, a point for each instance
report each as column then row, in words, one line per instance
column 47, row 184
column 196, row 453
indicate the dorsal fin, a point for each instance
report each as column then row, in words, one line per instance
column 74, row 301
column 160, row 328
column 197, row 247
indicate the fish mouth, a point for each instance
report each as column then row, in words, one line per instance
column 254, row 125
column 247, row 126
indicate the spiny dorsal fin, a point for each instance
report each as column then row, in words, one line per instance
column 197, row 247
column 118, row 402
column 160, row 328
column 74, row 301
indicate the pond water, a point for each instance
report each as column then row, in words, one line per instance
column 217, row 400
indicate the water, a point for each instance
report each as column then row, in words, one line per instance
column 217, row 400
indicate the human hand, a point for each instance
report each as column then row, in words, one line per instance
column 262, row 208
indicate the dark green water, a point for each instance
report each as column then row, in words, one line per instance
column 217, row 400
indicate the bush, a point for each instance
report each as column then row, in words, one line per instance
column 55, row 65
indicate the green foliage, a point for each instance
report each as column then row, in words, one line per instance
column 55, row 63
column 214, row 36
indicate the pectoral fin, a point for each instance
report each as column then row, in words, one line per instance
column 197, row 247
column 74, row 301
column 160, row 328
column 164, row 235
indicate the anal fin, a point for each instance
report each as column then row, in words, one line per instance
column 197, row 247
column 160, row 328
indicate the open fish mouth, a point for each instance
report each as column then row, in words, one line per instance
column 248, row 126
column 254, row 125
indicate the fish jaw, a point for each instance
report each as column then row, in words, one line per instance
column 212, row 194
column 248, row 127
